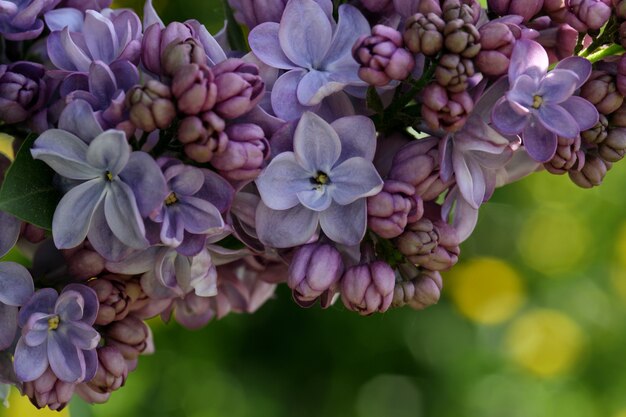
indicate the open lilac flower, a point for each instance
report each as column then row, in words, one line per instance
column 16, row 288
column 57, row 330
column 21, row 19
column 540, row 104
column 313, row 48
column 323, row 181
column 115, row 188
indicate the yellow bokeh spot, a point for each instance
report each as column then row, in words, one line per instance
column 620, row 245
column 20, row 406
column 621, row 413
column 6, row 147
column 554, row 241
column 486, row 290
column 545, row 342
column 618, row 279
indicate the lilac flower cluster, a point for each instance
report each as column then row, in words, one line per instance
column 346, row 154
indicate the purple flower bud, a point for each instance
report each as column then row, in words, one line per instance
column 131, row 336
column 194, row 88
column 420, row 292
column 621, row 75
column 592, row 173
column 454, row 72
column 21, row 19
column 618, row 117
column 424, row 33
column 155, row 41
column 368, row 288
column 598, row 133
column 497, row 41
column 527, row 9
column 314, row 272
column 376, row 6
column 151, row 106
column 382, row 56
column 239, row 87
column 112, row 370
column 389, row 211
column 583, row 15
column 254, row 12
column 22, row 91
column 203, row 136
column 601, row 91
column 32, row 233
column 182, row 52
column 568, row 157
column 614, row 147
column 445, row 110
column 83, row 262
column 115, row 296
column 433, row 245
column 559, row 40
column 243, row 157
column 49, row 391
column 461, row 38
column 465, row 10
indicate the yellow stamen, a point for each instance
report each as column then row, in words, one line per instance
column 322, row 178
column 108, row 176
column 53, row 323
column 171, row 199
column 537, row 101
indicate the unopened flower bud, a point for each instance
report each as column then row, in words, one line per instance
column 22, row 91
column 432, row 245
column 239, row 87
column 527, row 9
column 131, row 336
column 388, row 212
column 465, row 10
column 254, row 12
column 151, row 106
column 621, row 75
column 115, row 296
column 243, row 157
column 84, row 263
column 420, row 292
column 182, row 52
column 601, row 91
column 203, row 136
column 368, row 288
column 112, row 370
column 314, row 273
column 568, row 156
column 614, row 147
column 194, row 88
column 598, row 133
column 453, row 72
column 424, row 34
column 49, row 391
column 592, row 173
column 584, row 15
column 497, row 40
column 461, row 38
column 445, row 110
column 32, row 233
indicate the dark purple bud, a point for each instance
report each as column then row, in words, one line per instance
column 598, row 133
column 497, row 41
column 314, row 272
column 83, row 262
column 116, row 296
column 420, row 292
column 151, row 106
column 376, row 5
column 614, row 147
column 558, row 39
column 49, row 391
column 254, row 12
column 243, row 157
column 194, row 88
column 592, row 173
column 527, row 9
column 131, row 336
column 424, row 34
column 182, row 52
column 621, row 75
column 460, row 37
column 112, row 370
column 382, row 56
column 389, row 211
column 432, row 245
column 22, row 91
column 368, row 288
column 618, row 117
column 620, row 8
column 568, row 156
column 584, row 15
column 239, row 87
column 156, row 40
column 445, row 110
column 32, row 233
column 454, row 72
column 601, row 91
column 466, row 10
column 203, row 136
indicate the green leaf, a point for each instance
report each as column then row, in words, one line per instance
column 27, row 191
column 236, row 38
column 373, row 100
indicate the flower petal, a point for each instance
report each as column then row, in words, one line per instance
column 345, row 224
column 66, row 360
column 266, row 46
column 65, row 54
column 358, row 137
column 558, row 120
column 8, row 325
column 315, row 86
column 580, row 66
column 82, row 335
column 506, row 120
column 90, row 301
column 315, row 199
column 199, row 216
column 144, row 177
column 101, row 38
column 64, row 153
column 354, row 179
column 41, row 302
column 540, row 143
column 104, row 240
column 585, row 113
column 284, row 97
column 352, row 24
column 109, row 152
column 122, row 214
column 30, row 362
column 78, row 118
column 69, row 306
column 316, row 145
column 470, row 178
column 529, row 58
column 91, row 363
column 16, row 284
column 285, row 228
column 280, row 182
column 558, row 86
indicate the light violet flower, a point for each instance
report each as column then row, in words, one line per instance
column 107, row 205
column 57, row 330
column 324, row 181
column 540, row 105
column 16, row 288
column 315, row 51
column 21, row 19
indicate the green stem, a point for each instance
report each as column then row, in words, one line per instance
column 603, row 53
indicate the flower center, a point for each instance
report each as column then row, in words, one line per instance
column 537, row 101
column 171, row 199
column 53, row 322
column 320, row 180
column 108, row 176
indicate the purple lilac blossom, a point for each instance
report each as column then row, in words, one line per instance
column 21, row 19
column 22, row 91
column 540, row 105
column 57, row 330
column 314, row 50
column 16, row 288
column 116, row 187
column 324, row 181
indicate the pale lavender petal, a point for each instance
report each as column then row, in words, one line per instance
column 284, row 96
column 60, row 18
column 212, row 48
column 16, row 284
column 285, row 228
column 358, row 137
column 30, row 362
column 216, row 190
column 528, row 57
column 74, row 213
column 36, row 337
column 316, row 145
column 101, row 38
column 465, row 216
column 165, row 268
column 200, row 216
column 585, row 113
column 138, row 263
column 109, row 152
column 304, row 33
column 506, row 120
column 64, row 153
column 558, row 86
column 150, row 15
column 353, row 179
column 73, row 52
column 266, row 46
column 56, row 52
column 91, row 303
column 540, row 143
column 144, row 177
column 41, row 302
column 523, row 90
column 315, row 199
column 352, row 24
column 345, row 224
column 82, row 335
column 556, row 119
column 580, row 66
column 78, row 118
column 91, row 363
column 172, row 229
column 469, row 178
column 8, row 325
column 102, row 83
column 69, row 306
column 123, row 215
column 283, row 178
column 184, row 179
column 104, row 240
column 316, row 85
column 66, row 360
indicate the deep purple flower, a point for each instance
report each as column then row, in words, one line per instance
column 21, row 19
column 16, row 288
column 57, row 331
column 323, row 181
column 540, row 105
column 116, row 188
column 314, row 50
column 22, row 91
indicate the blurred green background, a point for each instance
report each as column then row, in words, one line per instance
column 531, row 324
